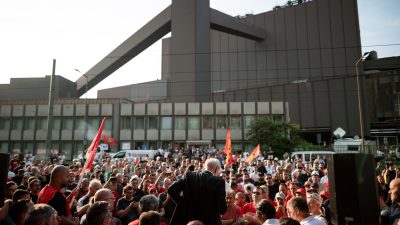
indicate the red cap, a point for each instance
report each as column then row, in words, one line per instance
column 307, row 183
column 301, row 191
column 324, row 194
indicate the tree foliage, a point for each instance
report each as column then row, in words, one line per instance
column 279, row 136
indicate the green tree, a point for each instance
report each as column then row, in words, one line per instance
column 280, row 136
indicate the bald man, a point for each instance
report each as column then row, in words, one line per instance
column 393, row 214
column 203, row 196
column 51, row 194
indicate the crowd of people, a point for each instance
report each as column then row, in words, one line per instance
column 177, row 189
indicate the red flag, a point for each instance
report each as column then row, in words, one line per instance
column 109, row 140
column 228, row 147
column 254, row 154
column 91, row 152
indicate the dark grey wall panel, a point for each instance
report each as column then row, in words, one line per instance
column 324, row 23
column 240, row 95
column 280, row 35
column 338, row 106
column 322, row 106
column 301, row 27
column 282, row 67
column 312, row 25
column 265, row 93
column 352, row 105
column 277, row 93
column 351, row 30
column 340, row 61
column 336, row 23
column 293, row 98
column 315, row 64
column 242, row 79
column 290, row 31
column 327, row 63
column 270, row 30
column 229, row 96
column 307, row 104
column 252, row 94
column 225, row 80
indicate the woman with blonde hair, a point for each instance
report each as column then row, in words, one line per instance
column 314, row 203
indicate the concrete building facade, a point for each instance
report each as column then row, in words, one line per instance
column 138, row 126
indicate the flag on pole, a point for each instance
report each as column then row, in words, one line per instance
column 228, row 147
column 254, row 154
column 91, row 151
column 109, row 140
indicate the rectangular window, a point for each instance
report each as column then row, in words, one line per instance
column 194, row 123
column 4, row 147
column 180, row 123
column 17, row 124
column 221, row 122
column 153, row 122
column 41, row 148
column 80, row 123
column 248, row 121
column 42, row 123
column 16, row 146
column 94, row 123
column 208, row 122
column 4, row 123
column 56, row 123
column 28, row 147
column 139, row 122
column 235, row 122
column 108, row 124
column 166, row 123
column 29, row 123
column 126, row 122
column 68, row 123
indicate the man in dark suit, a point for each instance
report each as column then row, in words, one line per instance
column 203, row 196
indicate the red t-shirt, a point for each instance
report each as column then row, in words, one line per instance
column 137, row 222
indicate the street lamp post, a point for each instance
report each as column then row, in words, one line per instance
column 360, row 111
column 85, row 139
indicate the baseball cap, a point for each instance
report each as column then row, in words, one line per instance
column 324, row 194
column 307, row 184
column 301, row 191
column 314, row 173
column 280, row 195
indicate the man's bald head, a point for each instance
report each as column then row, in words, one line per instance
column 394, row 190
column 105, row 194
column 59, row 176
column 213, row 165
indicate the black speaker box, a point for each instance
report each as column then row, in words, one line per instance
column 352, row 187
column 4, row 165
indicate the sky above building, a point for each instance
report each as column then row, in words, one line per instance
column 78, row 34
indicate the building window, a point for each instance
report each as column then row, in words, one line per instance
column 180, row 123
column 235, row 122
column 126, row 122
column 17, row 124
column 4, row 123
column 194, row 123
column 16, row 147
column 153, row 122
column 29, row 123
column 42, row 123
column 4, row 147
column 80, row 123
column 56, row 123
column 221, row 122
column 208, row 122
column 40, row 148
column 139, row 122
column 68, row 123
column 277, row 118
column 94, row 123
column 28, row 147
column 108, row 123
column 248, row 121
column 166, row 123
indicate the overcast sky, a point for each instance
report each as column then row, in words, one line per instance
column 79, row 33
